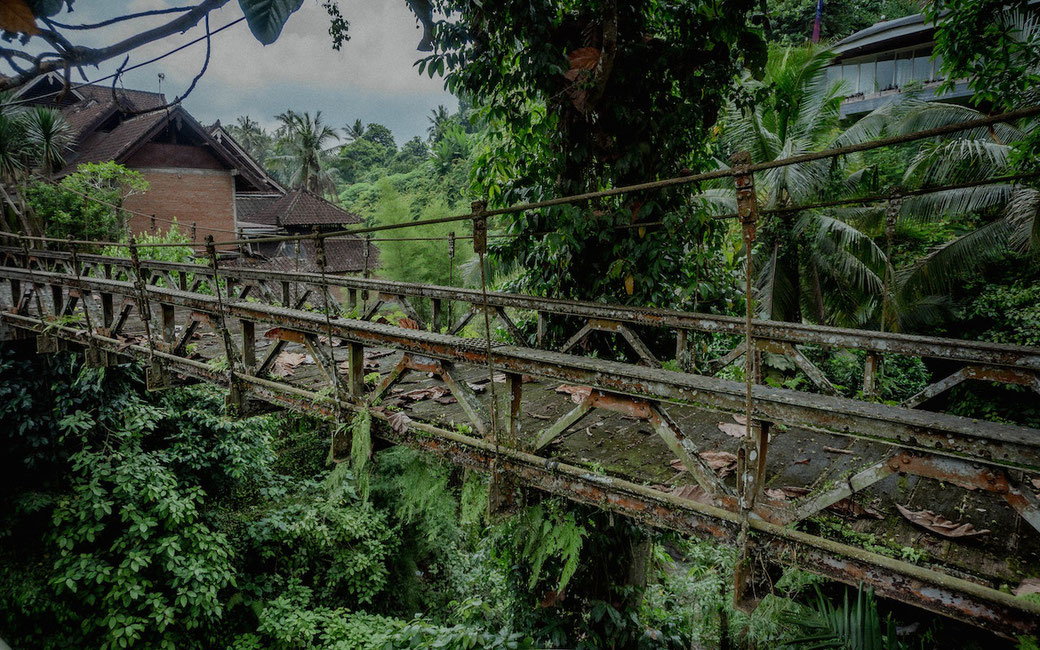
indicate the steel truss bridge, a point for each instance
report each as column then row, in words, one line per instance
column 229, row 326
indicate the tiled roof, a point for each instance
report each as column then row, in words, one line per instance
column 84, row 116
column 301, row 208
column 135, row 100
column 250, row 207
column 99, row 147
column 342, row 254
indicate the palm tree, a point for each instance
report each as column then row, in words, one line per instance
column 1011, row 211
column 253, row 137
column 353, row 132
column 304, row 150
column 47, row 136
column 439, row 120
column 33, row 142
column 812, row 264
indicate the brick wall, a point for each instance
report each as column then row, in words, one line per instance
column 201, row 196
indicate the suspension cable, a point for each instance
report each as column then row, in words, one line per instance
column 32, row 279
column 480, row 248
column 144, row 310
column 319, row 254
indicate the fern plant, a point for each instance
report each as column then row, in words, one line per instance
column 851, row 626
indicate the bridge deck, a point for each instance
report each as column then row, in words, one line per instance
column 627, row 432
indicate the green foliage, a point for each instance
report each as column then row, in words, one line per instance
column 66, row 213
column 148, row 251
column 995, row 44
column 850, row 626
column 417, row 261
column 545, row 532
column 267, row 17
column 791, row 21
column 587, row 96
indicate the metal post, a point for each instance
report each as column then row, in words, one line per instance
column 752, row 453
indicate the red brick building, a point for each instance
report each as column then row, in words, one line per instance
column 198, row 175
column 193, row 177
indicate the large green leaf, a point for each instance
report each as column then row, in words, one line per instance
column 47, row 8
column 267, row 17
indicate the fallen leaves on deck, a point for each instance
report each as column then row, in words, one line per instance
column 734, row 430
column 399, row 421
column 578, row 393
column 409, row 324
column 285, row 364
column 722, row 463
column 938, row 524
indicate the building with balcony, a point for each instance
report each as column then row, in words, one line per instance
column 878, row 64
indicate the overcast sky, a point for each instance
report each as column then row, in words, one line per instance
column 372, row 78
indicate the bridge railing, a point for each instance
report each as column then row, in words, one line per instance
column 54, row 303
column 364, row 298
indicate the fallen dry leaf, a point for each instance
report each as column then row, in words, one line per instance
column 734, row 430
column 691, row 492
column 804, row 461
column 1027, row 586
column 578, row 393
column 584, row 58
column 447, row 399
column 1035, row 482
column 939, row 524
column 16, row 16
column 285, row 364
column 408, row 324
column 740, row 419
column 854, row 510
column 786, row 492
column 433, row 392
column 722, row 462
column 398, row 421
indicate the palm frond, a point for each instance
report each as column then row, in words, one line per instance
column 943, row 265
column 1022, row 212
column 943, row 203
column 958, row 159
column 852, row 626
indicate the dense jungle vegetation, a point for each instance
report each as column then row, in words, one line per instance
column 132, row 519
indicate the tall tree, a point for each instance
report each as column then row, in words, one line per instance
column 439, row 119
column 811, row 264
column 305, row 150
column 592, row 94
column 353, row 132
column 252, row 136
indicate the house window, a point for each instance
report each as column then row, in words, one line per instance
column 850, row 73
column 922, row 65
column 834, row 76
column 937, row 68
column 886, row 73
column 866, row 77
column 904, row 69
